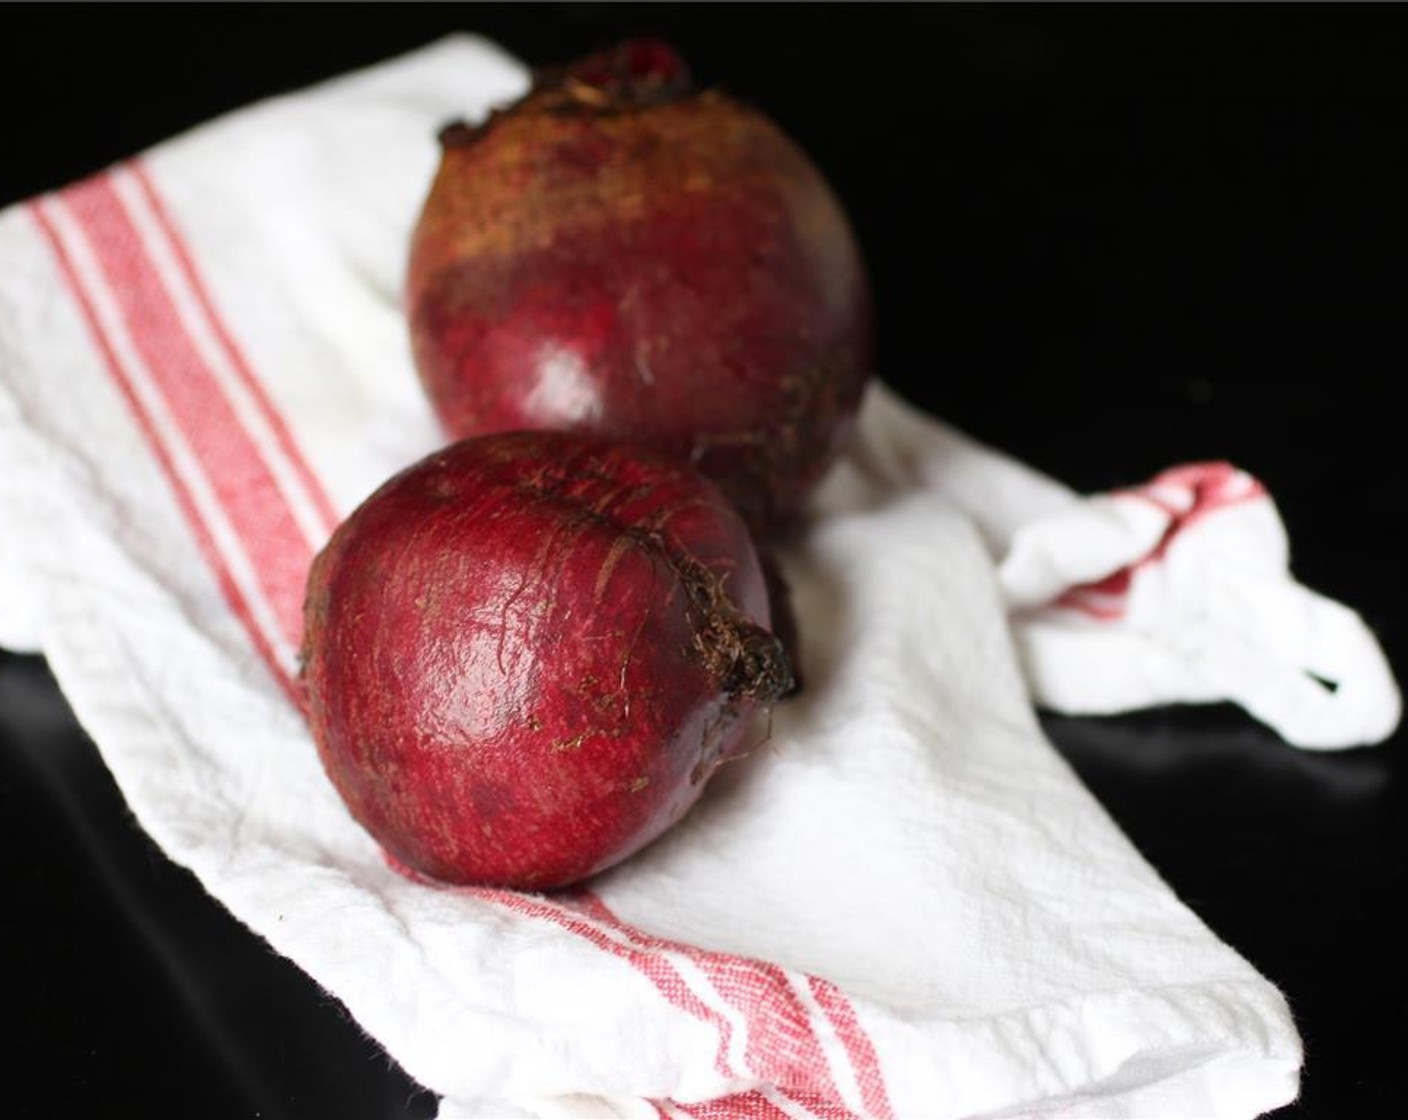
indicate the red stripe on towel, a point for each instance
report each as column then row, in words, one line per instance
column 781, row 1039
column 1204, row 487
column 654, row 967
column 859, row 1048
column 1187, row 494
column 741, row 1106
column 229, row 458
column 282, row 434
column 239, row 604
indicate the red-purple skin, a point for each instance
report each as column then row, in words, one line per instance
column 525, row 655
column 618, row 254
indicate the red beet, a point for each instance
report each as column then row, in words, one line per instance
column 525, row 655
column 619, row 254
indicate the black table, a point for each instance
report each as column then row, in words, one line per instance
column 1106, row 240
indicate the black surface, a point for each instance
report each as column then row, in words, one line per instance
column 1106, row 240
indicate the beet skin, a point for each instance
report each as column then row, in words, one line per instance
column 620, row 254
column 525, row 654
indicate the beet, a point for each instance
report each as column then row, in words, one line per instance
column 620, row 254
column 525, row 655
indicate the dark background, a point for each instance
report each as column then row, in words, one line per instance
column 1104, row 239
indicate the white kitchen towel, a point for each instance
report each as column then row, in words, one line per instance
column 902, row 905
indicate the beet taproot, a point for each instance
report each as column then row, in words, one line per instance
column 622, row 254
column 525, row 654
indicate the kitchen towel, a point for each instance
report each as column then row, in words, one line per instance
column 902, row 905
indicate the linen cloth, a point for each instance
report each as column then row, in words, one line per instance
column 903, row 904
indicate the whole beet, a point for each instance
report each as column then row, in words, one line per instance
column 525, row 655
column 619, row 254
